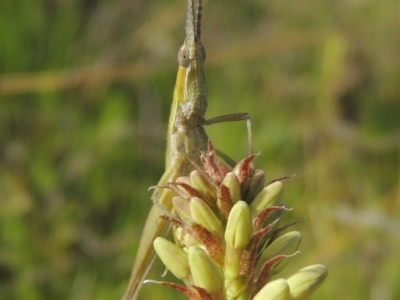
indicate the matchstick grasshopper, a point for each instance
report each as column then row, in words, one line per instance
column 186, row 139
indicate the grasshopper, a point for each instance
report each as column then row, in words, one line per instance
column 186, row 139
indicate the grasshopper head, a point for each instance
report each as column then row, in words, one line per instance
column 191, row 59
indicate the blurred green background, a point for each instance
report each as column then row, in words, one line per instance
column 85, row 91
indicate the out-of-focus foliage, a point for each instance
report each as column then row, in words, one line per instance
column 85, row 91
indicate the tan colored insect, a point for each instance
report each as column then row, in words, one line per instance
column 186, row 138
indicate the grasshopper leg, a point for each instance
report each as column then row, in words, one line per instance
column 233, row 118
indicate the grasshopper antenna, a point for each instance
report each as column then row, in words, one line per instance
column 197, row 25
column 190, row 20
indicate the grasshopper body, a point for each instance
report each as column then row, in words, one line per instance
column 185, row 135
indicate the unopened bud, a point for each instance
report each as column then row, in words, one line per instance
column 182, row 208
column 284, row 245
column 239, row 229
column 205, row 272
column 203, row 186
column 305, row 281
column 269, row 196
column 232, row 183
column 274, row 290
column 173, row 257
column 203, row 214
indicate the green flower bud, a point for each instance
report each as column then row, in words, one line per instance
column 204, row 187
column 182, row 208
column 305, row 281
column 284, row 245
column 274, row 290
column 232, row 183
column 242, row 296
column 173, row 257
column 205, row 272
column 202, row 214
column 239, row 228
column 269, row 196
column 239, row 231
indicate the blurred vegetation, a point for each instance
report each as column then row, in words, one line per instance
column 85, row 90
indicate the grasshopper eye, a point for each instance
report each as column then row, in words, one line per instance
column 183, row 57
